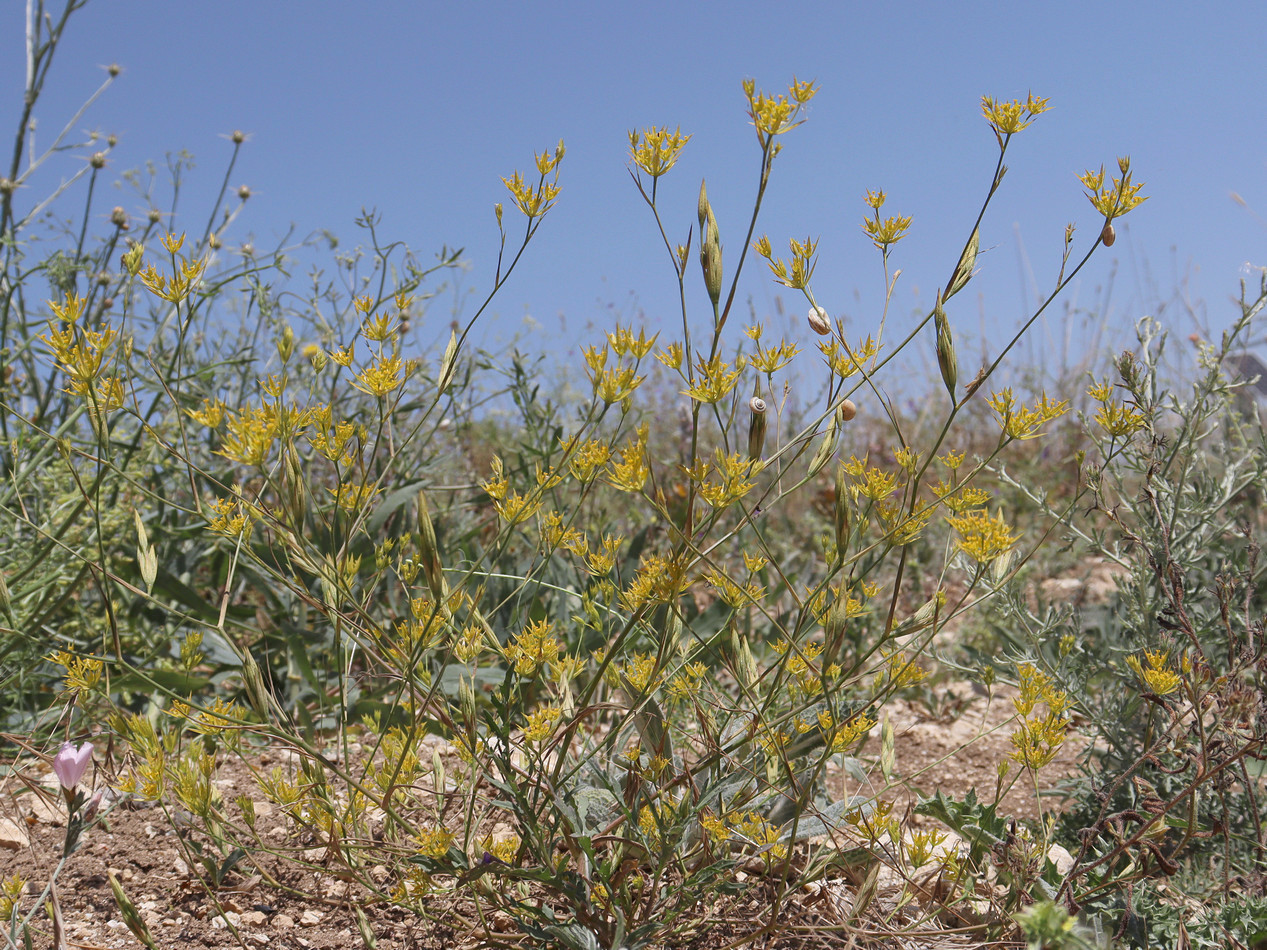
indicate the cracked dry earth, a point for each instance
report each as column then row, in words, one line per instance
column 142, row 849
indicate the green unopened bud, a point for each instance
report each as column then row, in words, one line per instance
column 756, row 427
column 146, row 557
column 132, row 259
column 127, row 910
column 286, row 344
column 256, row 694
column 745, row 664
column 429, row 550
column 842, row 514
column 963, row 270
column 247, row 806
column 437, row 771
column 709, row 247
column 296, row 488
column 6, row 600
column 448, row 363
column 497, row 210
column 946, row 358
column 466, row 699
column 825, row 447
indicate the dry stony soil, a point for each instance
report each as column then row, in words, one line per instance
column 140, row 846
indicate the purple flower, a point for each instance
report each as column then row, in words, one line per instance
column 70, row 763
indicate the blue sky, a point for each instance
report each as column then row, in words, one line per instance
column 417, row 109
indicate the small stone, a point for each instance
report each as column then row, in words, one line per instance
column 310, row 918
column 253, row 918
column 283, row 921
column 13, row 836
column 258, row 940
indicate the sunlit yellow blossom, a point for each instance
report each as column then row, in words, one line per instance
column 715, row 381
column 541, row 723
column 981, row 537
column 899, row 671
column 381, row 377
column 1022, row 422
column 623, row 341
column 959, row 498
column 210, row 415
column 844, row 360
column 434, row 841
column 734, row 594
column 656, row 150
column 1119, row 197
column 82, row 672
column 532, row 202
column 671, row 356
column 733, row 479
column 250, row 436
column 1011, row 116
column 354, row 498
column 229, row 518
column 589, row 458
column 1118, row 420
column 629, row 473
column 886, row 232
column 642, row 673
column 1155, row 672
column 534, row 648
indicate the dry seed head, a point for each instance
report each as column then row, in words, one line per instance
column 119, row 218
column 1108, row 235
column 113, row 70
column 7, row 186
column 98, row 160
column 238, row 137
column 244, row 192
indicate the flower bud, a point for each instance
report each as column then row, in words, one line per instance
column 756, row 427
column 842, row 513
column 429, row 550
column 119, row 218
column 946, row 358
column 709, row 248
column 244, row 192
column 819, row 322
column 1108, row 235
column 963, row 270
column 256, row 694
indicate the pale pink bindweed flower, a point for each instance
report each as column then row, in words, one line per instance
column 70, row 763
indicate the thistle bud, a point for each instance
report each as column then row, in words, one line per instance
column 1108, row 235
column 756, row 427
column 842, row 513
column 819, row 322
column 946, row 358
column 963, row 270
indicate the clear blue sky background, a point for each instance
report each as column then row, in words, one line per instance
column 417, row 109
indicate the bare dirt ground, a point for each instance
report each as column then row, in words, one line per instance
column 142, row 848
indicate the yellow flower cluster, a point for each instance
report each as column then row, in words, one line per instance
column 1119, row 196
column 656, row 150
column 1011, row 116
column 796, row 273
column 1155, row 673
column 533, row 649
column 981, row 537
column 775, row 115
column 845, row 360
column 1023, row 422
column 1039, row 737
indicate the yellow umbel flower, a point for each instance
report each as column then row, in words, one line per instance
column 1021, row 422
column 656, row 150
column 1011, row 116
column 533, row 649
column 1156, row 676
column 981, row 537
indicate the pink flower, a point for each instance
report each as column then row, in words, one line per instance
column 70, row 763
